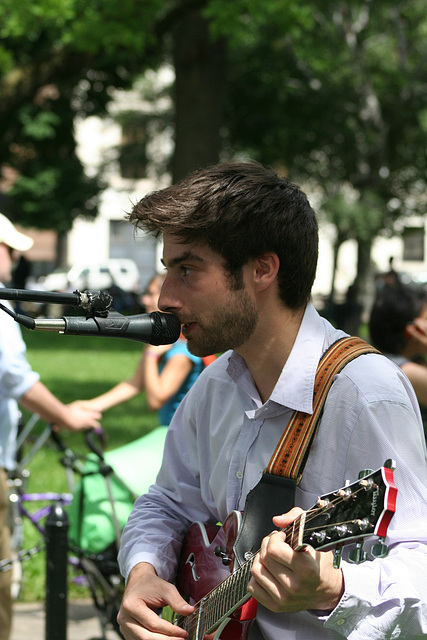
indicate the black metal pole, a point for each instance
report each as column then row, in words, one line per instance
column 31, row 295
column 57, row 526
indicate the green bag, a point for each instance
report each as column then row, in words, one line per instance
column 91, row 514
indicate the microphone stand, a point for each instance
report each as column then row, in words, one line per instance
column 95, row 303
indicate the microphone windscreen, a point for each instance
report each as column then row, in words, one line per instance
column 166, row 328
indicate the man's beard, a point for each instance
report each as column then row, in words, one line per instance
column 228, row 328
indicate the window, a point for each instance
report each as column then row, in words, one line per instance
column 413, row 243
column 133, row 153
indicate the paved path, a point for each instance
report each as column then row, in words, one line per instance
column 83, row 622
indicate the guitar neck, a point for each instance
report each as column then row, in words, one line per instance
column 219, row 604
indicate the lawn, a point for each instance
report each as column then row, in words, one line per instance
column 75, row 367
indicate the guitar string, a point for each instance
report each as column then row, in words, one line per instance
column 245, row 567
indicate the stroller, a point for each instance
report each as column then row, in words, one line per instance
column 101, row 504
column 103, row 489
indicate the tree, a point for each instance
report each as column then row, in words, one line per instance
column 337, row 98
column 199, row 63
column 61, row 60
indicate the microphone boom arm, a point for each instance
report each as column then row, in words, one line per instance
column 95, row 303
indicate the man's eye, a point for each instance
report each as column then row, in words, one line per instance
column 186, row 270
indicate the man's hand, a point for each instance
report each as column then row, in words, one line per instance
column 288, row 580
column 145, row 593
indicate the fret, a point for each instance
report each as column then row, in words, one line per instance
column 198, row 627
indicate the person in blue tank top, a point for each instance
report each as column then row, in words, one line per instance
column 165, row 373
column 179, row 348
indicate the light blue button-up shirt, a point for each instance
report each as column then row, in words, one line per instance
column 221, row 439
column 16, row 377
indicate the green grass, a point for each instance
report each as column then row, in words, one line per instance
column 74, row 367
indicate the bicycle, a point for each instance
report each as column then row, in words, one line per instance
column 96, row 571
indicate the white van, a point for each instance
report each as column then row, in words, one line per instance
column 98, row 276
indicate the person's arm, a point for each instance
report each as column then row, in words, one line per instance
column 161, row 386
column 145, row 593
column 417, row 375
column 373, row 421
column 38, row 399
column 121, row 392
column 165, row 514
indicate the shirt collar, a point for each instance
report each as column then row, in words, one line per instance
column 294, row 389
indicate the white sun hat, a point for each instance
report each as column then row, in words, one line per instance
column 10, row 235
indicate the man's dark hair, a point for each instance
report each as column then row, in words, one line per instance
column 240, row 210
column 395, row 306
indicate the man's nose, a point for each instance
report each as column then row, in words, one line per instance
column 168, row 299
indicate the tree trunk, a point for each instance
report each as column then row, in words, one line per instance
column 199, row 88
column 61, row 249
column 358, row 302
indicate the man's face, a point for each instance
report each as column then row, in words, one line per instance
column 198, row 289
column 6, row 262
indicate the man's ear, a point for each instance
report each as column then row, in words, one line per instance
column 266, row 268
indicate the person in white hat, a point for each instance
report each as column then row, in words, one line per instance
column 19, row 384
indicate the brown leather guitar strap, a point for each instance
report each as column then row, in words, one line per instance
column 275, row 492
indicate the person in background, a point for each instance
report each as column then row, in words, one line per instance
column 20, row 274
column 398, row 328
column 165, row 373
column 240, row 247
column 20, row 385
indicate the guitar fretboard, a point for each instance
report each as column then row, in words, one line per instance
column 219, row 603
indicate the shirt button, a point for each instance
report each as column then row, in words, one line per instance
column 239, row 475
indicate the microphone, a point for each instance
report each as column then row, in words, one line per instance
column 155, row 328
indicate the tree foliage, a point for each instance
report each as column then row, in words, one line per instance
column 339, row 96
column 334, row 93
column 60, row 59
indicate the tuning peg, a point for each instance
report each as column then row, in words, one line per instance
column 337, row 557
column 357, row 555
column 364, row 473
column 379, row 549
column 390, row 464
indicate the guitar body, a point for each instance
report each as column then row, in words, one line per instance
column 201, row 570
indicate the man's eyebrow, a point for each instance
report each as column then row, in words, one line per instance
column 188, row 256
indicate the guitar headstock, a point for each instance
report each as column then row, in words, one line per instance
column 347, row 515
